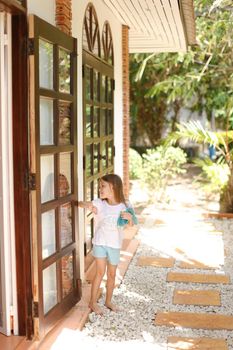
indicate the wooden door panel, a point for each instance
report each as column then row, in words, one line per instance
column 53, row 164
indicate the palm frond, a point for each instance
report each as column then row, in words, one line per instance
column 194, row 131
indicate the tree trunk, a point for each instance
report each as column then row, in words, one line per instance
column 226, row 199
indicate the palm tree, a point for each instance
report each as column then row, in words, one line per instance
column 222, row 141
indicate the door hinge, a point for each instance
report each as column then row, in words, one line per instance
column 113, row 84
column 114, row 151
column 84, row 163
column 35, row 309
column 32, row 182
column 31, row 46
column 83, row 71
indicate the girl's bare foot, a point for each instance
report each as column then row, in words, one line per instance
column 112, row 307
column 96, row 309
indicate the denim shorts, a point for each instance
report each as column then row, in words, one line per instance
column 112, row 254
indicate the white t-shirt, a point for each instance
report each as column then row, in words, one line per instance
column 106, row 231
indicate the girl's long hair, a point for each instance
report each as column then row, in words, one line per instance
column 117, row 185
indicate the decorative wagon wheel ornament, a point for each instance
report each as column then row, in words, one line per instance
column 107, row 43
column 91, row 31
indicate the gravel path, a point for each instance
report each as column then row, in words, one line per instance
column 177, row 231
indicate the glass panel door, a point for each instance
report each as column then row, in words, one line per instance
column 98, row 130
column 54, row 162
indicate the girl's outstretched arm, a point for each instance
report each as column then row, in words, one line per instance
column 86, row 205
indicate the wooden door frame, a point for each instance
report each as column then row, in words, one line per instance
column 20, row 162
column 21, row 174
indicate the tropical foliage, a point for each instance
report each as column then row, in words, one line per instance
column 202, row 78
column 219, row 174
column 159, row 166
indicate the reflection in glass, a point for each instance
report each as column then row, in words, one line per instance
column 96, row 189
column 104, row 155
column 110, row 153
column 49, row 287
column 67, row 274
column 47, row 178
column 66, row 224
column 88, row 121
column 110, row 90
column 64, row 71
column 88, row 80
column 96, row 122
column 46, row 121
column 65, row 174
column 96, row 157
column 48, row 233
column 46, row 64
column 64, row 123
column 110, row 122
column 96, row 84
column 103, row 122
column 89, row 191
column 88, row 160
column 104, row 88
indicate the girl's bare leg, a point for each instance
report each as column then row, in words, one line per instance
column 111, row 274
column 100, row 271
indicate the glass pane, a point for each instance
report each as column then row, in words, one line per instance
column 46, row 64
column 64, row 71
column 104, row 155
column 48, row 234
column 49, row 287
column 67, row 274
column 66, row 224
column 96, row 122
column 96, row 85
column 110, row 153
column 46, row 121
column 47, row 178
column 110, row 90
column 96, row 157
column 64, row 123
column 88, row 76
column 106, row 89
column 110, row 122
column 88, row 121
column 89, row 196
column 96, row 189
column 88, row 160
column 104, row 95
column 65, row 185
column 103, row 122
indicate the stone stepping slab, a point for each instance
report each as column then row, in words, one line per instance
column 193, row 264
column 180, row 343
column 155, row 261
column 197, row 278
column 197, row 297
column 194, row 320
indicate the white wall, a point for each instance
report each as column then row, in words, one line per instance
column 44, row 9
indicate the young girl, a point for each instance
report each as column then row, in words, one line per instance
column 107, row 236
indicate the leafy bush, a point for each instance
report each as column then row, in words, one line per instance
column 135, row 164
column 214, row 176
column 159, row 166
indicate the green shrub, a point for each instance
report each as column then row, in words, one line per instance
column 214, row 176
column 159, row 166
column 135, row 164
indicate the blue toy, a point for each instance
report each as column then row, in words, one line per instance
column 122, row 222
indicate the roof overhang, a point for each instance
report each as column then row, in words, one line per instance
column 156, row 25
